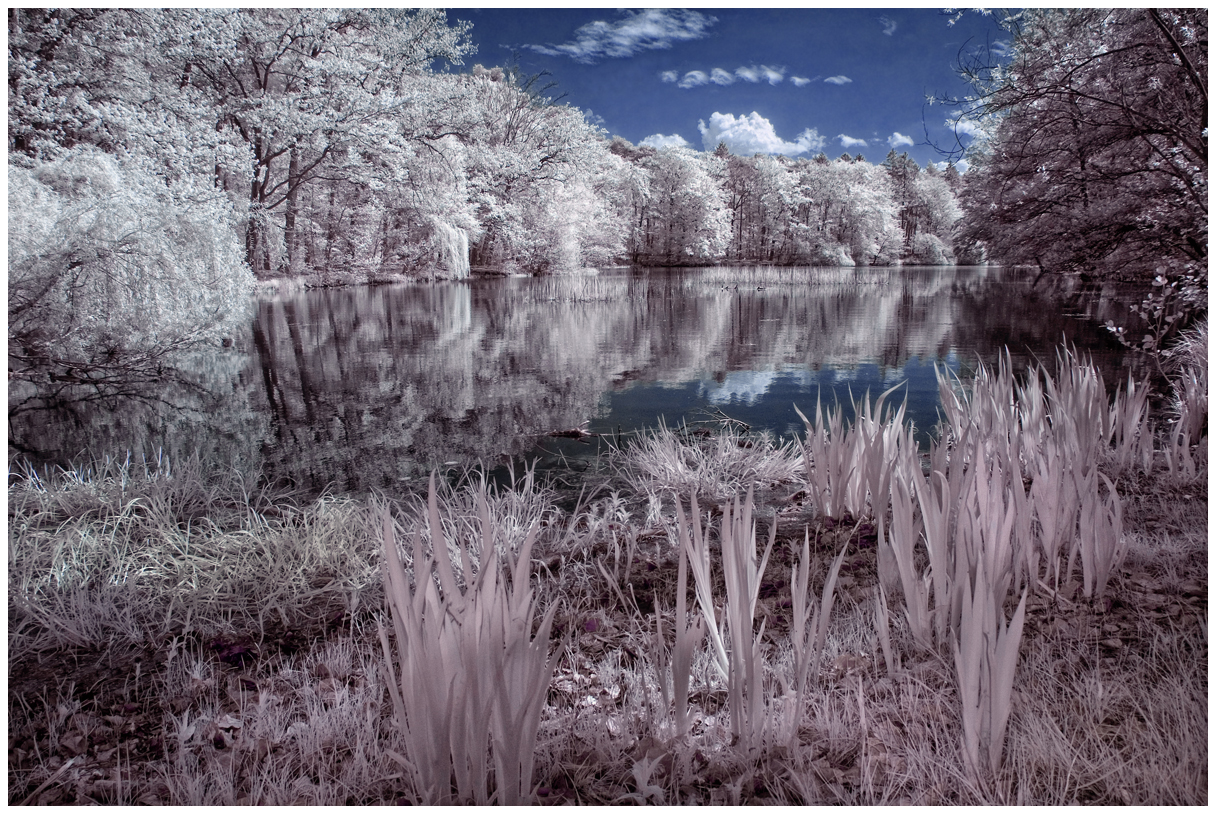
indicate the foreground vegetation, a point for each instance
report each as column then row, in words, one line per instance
column 1017, row 616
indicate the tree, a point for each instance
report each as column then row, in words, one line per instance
column 687, row 217
column 903, row 172
column 303, row 89
column 869, row 220
column 953, row 178
column 123, row 251
column 101, row 77
column 538, row 173
column 112, row 272
column 1096, row 158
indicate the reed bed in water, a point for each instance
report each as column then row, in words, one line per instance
column 969, row 638
column 749, row 277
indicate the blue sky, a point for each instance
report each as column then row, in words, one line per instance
column 794, row 81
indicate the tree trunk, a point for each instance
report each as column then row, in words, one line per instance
column 291, row 236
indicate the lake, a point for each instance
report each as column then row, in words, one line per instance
column 368, row 387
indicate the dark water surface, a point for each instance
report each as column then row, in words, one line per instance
column 367, row 387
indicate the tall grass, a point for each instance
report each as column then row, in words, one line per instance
column 688, row 639
column 986, row 657
column 739, row 655
column 809, row 623
column 136, row 555
column 848, row 468
column 721, row 466
column 1190, row 381
column 1189, row 404
column 984, row 536
column 1132, row 434
column 473, row 679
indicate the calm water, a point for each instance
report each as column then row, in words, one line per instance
column 362, row 388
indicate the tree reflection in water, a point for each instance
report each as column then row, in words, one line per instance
column 363, row 388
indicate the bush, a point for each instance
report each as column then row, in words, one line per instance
column 111, row 269
column 930, row 250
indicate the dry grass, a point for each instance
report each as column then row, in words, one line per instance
column 178, row 643
column 713, row 467
column 132, row 560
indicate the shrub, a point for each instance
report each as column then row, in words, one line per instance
column 111, row 270
column 930, row 250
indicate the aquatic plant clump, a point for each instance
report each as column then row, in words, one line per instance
column 713, row 466
column 473, row 679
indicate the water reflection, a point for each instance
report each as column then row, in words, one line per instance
column 365, row 387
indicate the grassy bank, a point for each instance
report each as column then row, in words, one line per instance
column 1017, row 616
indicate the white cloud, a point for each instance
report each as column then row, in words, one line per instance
column 799, row 81
column 752, row 134
column 748, row 74
column 849, row 142
column 753, row 73
column 593, row 118
column 838, row 80
column 635, row 31
column 961, row 165
column 693, row 79
column 889, row 25
column 897, row 139
column 966, row 127
column 660, row 141
column 756, row 73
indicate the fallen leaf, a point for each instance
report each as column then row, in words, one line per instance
column 229, row 722
column 73, row 744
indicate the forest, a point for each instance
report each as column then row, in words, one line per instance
column 170, row 157
column 366, row 163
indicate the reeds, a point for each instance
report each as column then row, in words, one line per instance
column 1060, row 433
column 1189, row 406
column 737, row 650
column 984, row 536
column 1132, row 435
column 834, row 483
column 1100, row 542
column 986, row 656
column 846, row 465
column 809, row 623
column 1190, row 381
column 687, row 640
column 473, row 679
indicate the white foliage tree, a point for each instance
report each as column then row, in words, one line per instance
column 688, row 214
column 112, row 271
column 939, row 212
column 305, row 88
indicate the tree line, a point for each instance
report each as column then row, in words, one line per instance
column 162, row 159
column 338, row 147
